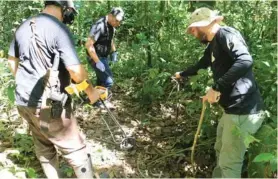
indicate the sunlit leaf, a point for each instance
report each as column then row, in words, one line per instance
column 264, row 157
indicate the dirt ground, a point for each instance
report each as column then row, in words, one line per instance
column 163, row 143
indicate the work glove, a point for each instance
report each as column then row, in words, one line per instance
column 103, row 92
column 100, row 66
column 114, row 56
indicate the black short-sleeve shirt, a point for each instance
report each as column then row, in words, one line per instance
column 102, row 33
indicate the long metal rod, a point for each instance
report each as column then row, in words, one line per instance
column 112, row 135
column 113, row 118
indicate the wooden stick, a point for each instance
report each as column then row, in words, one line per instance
column 196, row 136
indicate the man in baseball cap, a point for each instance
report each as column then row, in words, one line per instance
column 41, row 54
column 118, row 13
column 234, row 88
column 100, row 45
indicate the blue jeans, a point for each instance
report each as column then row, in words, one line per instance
column 105, row 78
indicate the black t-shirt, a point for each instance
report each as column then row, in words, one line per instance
column 102, row 33
column 52, row 35
column 231, row 63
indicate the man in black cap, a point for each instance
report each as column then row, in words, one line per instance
column 100, row 44
column 42, row 48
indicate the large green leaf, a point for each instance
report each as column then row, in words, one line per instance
column 31, row 173
column 249, row 139
column 264, row 157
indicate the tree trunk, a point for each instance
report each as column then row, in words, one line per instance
column 149, row 55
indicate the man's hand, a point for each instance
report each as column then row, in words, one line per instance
column 93, row 95
column 100, row 66
column 103, row 92
column 79, row 74
column 177, row 75
column 212, row 96
column 114, row 56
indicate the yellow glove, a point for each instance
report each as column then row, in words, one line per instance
column 76, row 88
column 103, row 92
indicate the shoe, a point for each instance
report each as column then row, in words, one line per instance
column 109, row 105
column 98, row 104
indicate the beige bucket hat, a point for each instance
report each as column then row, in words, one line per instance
column 203, row 17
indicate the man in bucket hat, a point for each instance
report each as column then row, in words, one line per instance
column 234, row 87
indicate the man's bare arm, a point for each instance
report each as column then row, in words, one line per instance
column 13, row 64
column 91, row 49
column 113, row 47
column 79, row 74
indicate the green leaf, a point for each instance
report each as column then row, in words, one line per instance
column 250, row 139
column 162, row 60
column 31, row 173
column 10, row 92
column 153, row 73
column 69, row 172
column 267, row 135
column 266, row 63
column 264, row 157
column 236, row 130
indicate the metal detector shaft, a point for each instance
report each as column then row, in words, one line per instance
column 113, row 118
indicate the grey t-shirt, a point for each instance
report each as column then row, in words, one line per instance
column 33, row 63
